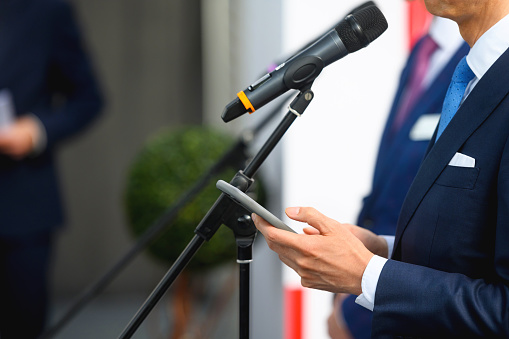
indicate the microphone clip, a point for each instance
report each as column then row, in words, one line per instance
column 301, row 101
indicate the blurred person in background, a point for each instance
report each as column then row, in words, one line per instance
column 412, row 120
column 48, row 93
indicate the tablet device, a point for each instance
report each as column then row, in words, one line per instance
column 252, row 206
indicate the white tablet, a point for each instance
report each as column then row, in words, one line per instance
column 252, row 206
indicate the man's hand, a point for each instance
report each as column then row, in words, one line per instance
column 17, row 140
column 335, row 323
column 328, row 257
column 374, row 243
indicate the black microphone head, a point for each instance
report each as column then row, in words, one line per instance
column 361, row 27
column 361, row 6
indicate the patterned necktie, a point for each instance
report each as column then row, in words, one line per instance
column 460, row 79
column 414, row 87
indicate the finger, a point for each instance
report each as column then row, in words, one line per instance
column 7, row 141
column 280, row 241
column 286, row 260
column 313, row 218
column 268, row 230
column 311, row 231
column 6, row 146
column 4, row 139
column 261, row 224
column 10, row 148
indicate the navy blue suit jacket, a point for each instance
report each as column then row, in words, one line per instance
column 449, row 276
column 398, row 161
column 44, row 65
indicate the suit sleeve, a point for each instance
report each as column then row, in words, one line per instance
column 419, row 301
column 71, row 77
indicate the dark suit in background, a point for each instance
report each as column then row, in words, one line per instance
column 399, row 157
column 44, row 66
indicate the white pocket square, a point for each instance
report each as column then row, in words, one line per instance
column 462, row 160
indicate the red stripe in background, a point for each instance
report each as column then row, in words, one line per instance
column 293, row 308
column 418, row 21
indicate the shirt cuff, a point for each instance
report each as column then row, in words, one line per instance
column 390, row 244
column 369, row 282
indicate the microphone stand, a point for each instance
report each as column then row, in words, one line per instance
column 226, row 211
column 233, row 157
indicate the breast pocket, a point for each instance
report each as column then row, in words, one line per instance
column 458, row 177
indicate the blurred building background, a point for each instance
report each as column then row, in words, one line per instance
column 178, row 62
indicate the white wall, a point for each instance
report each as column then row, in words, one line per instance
column 329, row 153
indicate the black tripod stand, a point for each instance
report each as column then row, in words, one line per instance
column 234, row 157
column 225, row 211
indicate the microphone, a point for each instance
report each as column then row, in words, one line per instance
column 273, row 65
column 357, row 30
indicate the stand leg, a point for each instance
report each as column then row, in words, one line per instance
column 244, row 302
column 225, row 212
column 163, row 285
column 244, row 259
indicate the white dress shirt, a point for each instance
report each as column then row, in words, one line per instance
column 490, row 46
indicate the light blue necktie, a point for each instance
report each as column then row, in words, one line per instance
column 460, row 79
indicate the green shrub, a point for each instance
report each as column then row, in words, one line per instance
column 168, row 165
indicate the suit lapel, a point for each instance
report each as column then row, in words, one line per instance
column 481, row 102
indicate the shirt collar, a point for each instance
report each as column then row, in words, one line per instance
column 490, row 46
column 445, row 33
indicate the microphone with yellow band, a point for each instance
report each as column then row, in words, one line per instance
column 355, row 31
